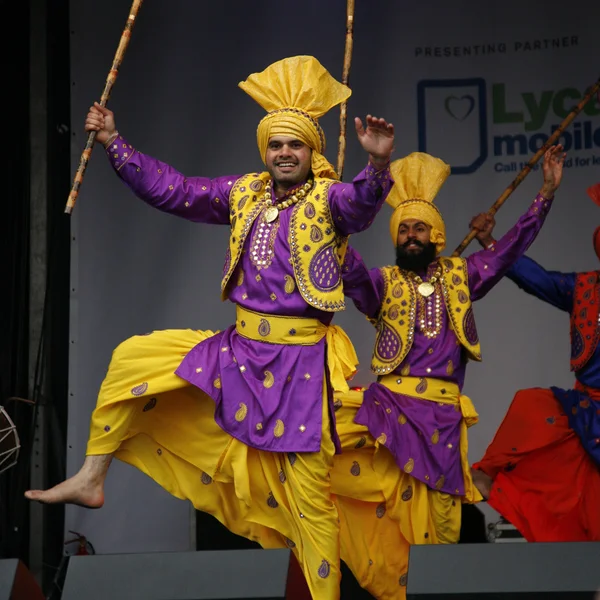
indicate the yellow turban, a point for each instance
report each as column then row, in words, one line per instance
column 295, row 92
column 417, row 179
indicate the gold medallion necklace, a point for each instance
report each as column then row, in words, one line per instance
column 429, row 303
column 426, row 288
column 272, row 210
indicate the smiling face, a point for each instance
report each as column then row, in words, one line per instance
column 413, row 236
column 288, row 161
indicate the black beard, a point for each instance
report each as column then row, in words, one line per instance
column 409, row 261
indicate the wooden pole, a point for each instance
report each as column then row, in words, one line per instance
column 345, row 79
column 528, row 167
column 110, row 81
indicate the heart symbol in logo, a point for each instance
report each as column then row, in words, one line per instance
column 459, row 108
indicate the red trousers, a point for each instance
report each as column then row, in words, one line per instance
column 545, row 483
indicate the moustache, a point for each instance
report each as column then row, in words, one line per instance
column 415, row 242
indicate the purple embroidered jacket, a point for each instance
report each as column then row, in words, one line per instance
column 237, row 364
column 429, row 357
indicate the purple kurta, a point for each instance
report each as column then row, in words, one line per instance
column 228, row 367
column 429, row 357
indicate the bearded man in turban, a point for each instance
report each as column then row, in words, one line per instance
column 244, row 425
column 414, row 418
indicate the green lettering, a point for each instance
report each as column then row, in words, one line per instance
column 537, row 111
column 501, row 115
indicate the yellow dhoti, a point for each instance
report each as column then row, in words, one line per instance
column 383, row 509
column 277, row 499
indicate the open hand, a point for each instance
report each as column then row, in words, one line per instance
column 377, row 139
column 554, row 159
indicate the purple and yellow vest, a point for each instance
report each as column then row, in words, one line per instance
column 317, row 250
column 585, row 319
column 396, row 320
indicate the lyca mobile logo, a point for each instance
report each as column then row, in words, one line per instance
column 460, row 122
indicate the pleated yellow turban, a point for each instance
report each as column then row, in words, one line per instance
column 296, row 92
column 418, row 178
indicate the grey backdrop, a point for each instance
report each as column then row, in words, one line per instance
column 135, row 269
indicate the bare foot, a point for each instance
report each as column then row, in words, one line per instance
column 86, row 488
column 482, row 482
column 80, row 489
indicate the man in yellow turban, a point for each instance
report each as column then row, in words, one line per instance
column 415, row 418
column 244, row 426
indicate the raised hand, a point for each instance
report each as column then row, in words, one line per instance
column 377, row 139
column 102, row 120
column 484, row 223
column 552, row 168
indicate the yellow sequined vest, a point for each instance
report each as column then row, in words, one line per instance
column 317, row 250
column 396, row 321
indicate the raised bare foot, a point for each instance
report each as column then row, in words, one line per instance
column 81, row 489
column 482, row 482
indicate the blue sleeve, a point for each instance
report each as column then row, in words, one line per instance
column 550, row 286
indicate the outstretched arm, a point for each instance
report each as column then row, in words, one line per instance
column 198, row 199
column 488, row 266
column 362, row 285
column 550, row 286
column 355, row 205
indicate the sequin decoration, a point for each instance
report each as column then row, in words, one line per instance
column 206, row 478
column 264, row 328
column 271, row 502
column 409, row 466
column 309, row 210
column 150, row 405
column 243, row 200
column 241, row 413
column 382, row 439
column 407, row 494
column 269, row 379
column 290, row 284
column 577, row 344
column 355, row 469
column 282, row 476
column 140, row 390
column 380, row 510
column 262, row 246
column 316, row 235
column 439, row 484
column 279, row 428
column 422, row 386
column 324, row 570
column 469, row 327
column 324, row 269
column 389, row 343
column 227, row 262
column 361, row 442
column 435, row 437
